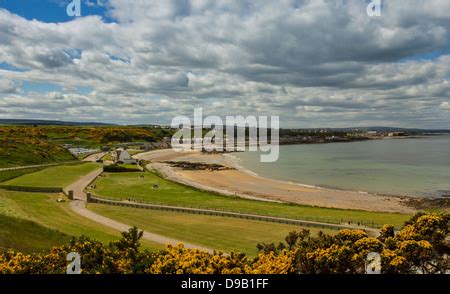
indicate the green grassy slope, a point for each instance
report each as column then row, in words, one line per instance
column 30, row 145
column 221, row 233
column 30, row 151
column 55, row 176
column 11, row 174
column 27, row 236
column 44, row 210
column 128, row 185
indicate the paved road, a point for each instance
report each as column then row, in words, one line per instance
column 94, row 157
column 78, row 205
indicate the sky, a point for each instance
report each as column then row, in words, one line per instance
column 313, row 63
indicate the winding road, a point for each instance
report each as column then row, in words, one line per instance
column 78, row 205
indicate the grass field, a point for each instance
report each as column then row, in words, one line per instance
column 129, row 185
column 107, row 157
column 222, row 233
column 56, row 176
column 27, row 236
column 11, row 174
column 44, row 210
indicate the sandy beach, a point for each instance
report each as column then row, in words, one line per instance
column 240, row 182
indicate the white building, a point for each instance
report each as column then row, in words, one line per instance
column 122, row 156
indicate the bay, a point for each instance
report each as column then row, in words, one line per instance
column 417, row 167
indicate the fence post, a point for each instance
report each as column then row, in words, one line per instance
column 88, row 197
column 70, row 195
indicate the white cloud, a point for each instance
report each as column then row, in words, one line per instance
column 327, row 62
column 9, row 87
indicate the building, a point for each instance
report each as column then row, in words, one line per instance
column 396, row 134
column 122, row 156
column 82, row 151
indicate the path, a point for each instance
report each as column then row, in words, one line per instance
column 94, row 157
column 78, row 205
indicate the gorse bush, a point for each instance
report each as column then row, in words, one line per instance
column 419, row 247
column 16, row 151
column 93, row 134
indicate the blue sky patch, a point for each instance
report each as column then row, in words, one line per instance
column 51, row 10
column 10, row 67
column 37, row 87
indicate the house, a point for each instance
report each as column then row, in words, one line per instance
column 396, row 134
column 122, row 156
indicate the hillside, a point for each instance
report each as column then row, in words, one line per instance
column 27, row 236
column 30, row 151
column 29, row 145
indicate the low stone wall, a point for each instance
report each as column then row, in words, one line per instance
column 287, row 221
column 39, row 165
column 32, row 189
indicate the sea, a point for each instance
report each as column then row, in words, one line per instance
column 417, row 167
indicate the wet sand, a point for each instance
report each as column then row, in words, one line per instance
column 243, row 183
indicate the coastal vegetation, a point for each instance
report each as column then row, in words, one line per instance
column 140, row 187
column 419, row 247
column 87, row 136
column 31, row 145
column 24, row 151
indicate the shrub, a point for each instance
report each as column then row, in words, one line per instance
column 117, row 168
column 419, row 247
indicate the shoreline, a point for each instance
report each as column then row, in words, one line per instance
column 246, row 184
column 246, row 170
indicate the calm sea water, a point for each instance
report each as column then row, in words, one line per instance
column 414, row 167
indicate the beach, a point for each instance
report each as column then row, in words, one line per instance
column 237, row 181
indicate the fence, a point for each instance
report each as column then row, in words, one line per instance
column 347, row 222
column 211, row 212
